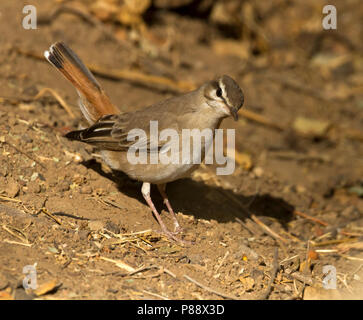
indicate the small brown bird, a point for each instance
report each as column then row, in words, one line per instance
column 203, row 108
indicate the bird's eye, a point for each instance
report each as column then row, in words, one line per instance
column 219, row 92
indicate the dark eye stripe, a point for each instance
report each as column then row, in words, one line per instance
column 219, row 92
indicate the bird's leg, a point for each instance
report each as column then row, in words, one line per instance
column 177, row 227
column 145, row 190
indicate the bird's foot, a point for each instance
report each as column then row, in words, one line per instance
column 173, row 237
column 177, row 229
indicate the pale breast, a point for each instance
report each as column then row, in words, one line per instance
column 153, row 173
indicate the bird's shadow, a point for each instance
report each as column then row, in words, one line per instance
column 203, row 201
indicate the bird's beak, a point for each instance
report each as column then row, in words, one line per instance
column 234, row 113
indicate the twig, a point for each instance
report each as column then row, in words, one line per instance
column 58, row 98
column 210, row 289
column 69, row 215
column 113, row 204
column 169, row 272
column 248, row 228
column 289, row 259
column 3, row 198
column 331, row 242
column 120, row 264
column 147, row 231
column 253, row 217
column 19, row 243
column 267, row 229
column 306, row 216
column 275, row 268
column 222, row 261
column 250, row 115
column 15, row 232
column 155, row 295
column 142, row 269
column 139, row 77
column 25, row 154
column 45, row 211
column 357, row 270
column 326, row 251
column 351, row 258
column 325, row 224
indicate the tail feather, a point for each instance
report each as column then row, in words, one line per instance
column 94, row 101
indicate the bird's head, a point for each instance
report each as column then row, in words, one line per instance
column 225, row 96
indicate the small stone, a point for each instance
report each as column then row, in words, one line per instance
column 86, row 190
column 300, row 189
column 258, row 171
column 248, row 283
column 112, row 290
column 350, row 212
column 27, row 139
column 33, row 187
column 83, row 234
column 62, row 186
column 96, row 225
column 3, row 170
column 78, row 179
column 113, row 227
column 34, row 176
column 13, row 188
column 82, row 170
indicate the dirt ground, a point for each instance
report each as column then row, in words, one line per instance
column 297, row 186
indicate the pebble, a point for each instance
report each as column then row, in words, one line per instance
column 33, row 187
column 86, row 190
column 62, row 186
column 96, row 225
column 113, row 227
column 350, row 212
column 258, row 171
column 300, row 189
column 3, row 170
column 13, row 188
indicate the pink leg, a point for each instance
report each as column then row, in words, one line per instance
column 145, row 190
column 177, row 227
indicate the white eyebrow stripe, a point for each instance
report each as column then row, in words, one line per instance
column 224, row 93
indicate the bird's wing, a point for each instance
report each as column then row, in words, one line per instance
column 120, row 132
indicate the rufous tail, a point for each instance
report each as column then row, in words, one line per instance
column 94, row 101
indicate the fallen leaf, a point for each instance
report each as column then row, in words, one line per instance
column 310, row 127
column 248, row 283
column 243, row 159
column 104, row 10
column 6, row 294
column 46, row 287
column 313, row 255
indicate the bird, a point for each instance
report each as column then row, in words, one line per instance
column 109, row 129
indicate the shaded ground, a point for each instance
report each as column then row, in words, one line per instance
column 64, row 210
